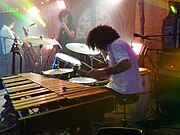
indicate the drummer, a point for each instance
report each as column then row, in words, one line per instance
column 67, row 30
column 123, row 65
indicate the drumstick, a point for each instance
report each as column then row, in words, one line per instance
column 87, row 65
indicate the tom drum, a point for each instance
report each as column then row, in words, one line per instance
column 65, row 61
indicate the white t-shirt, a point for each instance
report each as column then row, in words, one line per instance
column 129, row 81
column 8, row 39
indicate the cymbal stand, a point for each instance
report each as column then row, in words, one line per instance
column 144, row 53
column 57, row 48
column 45, row 66
column 15, row 49
column 41, row 57
column 91, row 60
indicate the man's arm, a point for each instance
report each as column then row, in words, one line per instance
column 114, row 69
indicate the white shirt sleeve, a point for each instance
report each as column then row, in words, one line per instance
column 119, row 52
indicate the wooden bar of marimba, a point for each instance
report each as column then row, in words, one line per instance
column 45, row 104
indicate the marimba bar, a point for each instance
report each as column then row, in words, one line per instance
column 44, row 103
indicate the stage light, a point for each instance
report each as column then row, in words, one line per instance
column 33, row 11
column 136, row 47
column 111, row 2
column 61, row 4
column 115, row 1
column 173, row 9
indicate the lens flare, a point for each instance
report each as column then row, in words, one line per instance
column 136, row 47
column 35, row 13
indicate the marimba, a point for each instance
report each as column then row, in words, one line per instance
column 45, row 104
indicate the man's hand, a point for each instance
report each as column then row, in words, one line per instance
column 97, row 73
column 63, row 25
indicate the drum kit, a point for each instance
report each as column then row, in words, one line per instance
column 74, row 63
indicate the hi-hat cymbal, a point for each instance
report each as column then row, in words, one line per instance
column 68, row 58
column 40, row 40
column 59, row 71
column 82, row 48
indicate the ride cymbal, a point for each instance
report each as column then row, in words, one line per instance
column 40, row 40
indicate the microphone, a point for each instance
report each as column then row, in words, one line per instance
column 31, row 25
column 143, row 37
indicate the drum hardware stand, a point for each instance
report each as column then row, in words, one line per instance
column 40, row 48
column 76, row 68
column 54, row 65
column 93, row 58
column 45, row 66
column 15, row 49
column 144, row 54
column 104, row 58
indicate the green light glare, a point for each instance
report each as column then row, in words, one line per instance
column 19, row 4
column 14, row 11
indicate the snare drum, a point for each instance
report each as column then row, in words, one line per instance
column 142, row 105
column 83, row 80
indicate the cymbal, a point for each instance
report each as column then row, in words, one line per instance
column 59, row 71
column 82, row 80
column 82, row 48
column 68, row 58
column 40, row 40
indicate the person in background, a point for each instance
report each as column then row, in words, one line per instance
column 7, row 40
column 123, row 71
column 67, row 30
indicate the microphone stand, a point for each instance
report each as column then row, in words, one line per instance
column 162, row 35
